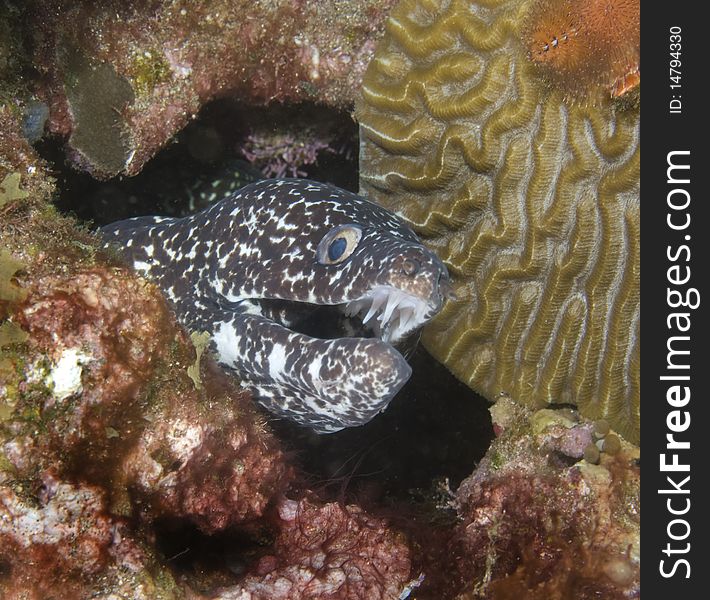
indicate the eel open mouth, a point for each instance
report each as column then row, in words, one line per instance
column 384, row 312
column 389, row 313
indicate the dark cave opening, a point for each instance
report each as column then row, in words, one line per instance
column 226, row 147
column 209, row 561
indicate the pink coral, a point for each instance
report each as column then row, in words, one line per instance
column 217, row 470
column 536, row 526
column 217, row 466
column 282, row 156
column 328, row 552
column 57, row 542
column 106, row 421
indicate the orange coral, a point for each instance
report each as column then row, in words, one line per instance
column 583, row 46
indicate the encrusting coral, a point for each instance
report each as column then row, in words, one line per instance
column 105, row 419
column 327, row 551
column 121, row 79
column 522, row 173
column 537, row 522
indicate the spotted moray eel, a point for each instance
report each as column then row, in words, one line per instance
column 248, row 268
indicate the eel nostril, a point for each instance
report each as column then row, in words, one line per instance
column 411, row 266
column 446, row 289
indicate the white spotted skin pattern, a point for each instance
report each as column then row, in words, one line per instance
column 222, row 269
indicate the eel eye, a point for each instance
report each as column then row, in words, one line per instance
column 338, row 244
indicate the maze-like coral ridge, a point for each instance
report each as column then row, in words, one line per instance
column 532, row 201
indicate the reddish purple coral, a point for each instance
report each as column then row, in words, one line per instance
column 536, row 526
column 105, row 422
column 61, row 538
column 215, row 465
column 202, row 454
column 330, row 552
column 282, row 156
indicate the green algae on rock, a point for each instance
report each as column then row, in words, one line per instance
column 530, row 196
column 201, row 340
column 9, row 291
column 10, row 189
column 10, row 333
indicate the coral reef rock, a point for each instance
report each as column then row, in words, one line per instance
column 22, row 172
column 60, row 540
column 521, row 170
column 101, row 421
column 539, row 523
column 120, row 79
column 328, row 551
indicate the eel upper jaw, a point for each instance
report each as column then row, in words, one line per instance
column 391, row 313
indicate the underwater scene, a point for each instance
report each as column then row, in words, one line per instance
column 319, row 299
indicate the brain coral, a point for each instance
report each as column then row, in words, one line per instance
column 522, row 173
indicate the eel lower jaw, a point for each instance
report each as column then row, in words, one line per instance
column 389, row 312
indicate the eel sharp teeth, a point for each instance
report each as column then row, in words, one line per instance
column 391, row 305
column 377, row 302
column 386, row 333
column 405, row 316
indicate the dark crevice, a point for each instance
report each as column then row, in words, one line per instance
column 226, row 147
column 432, row 435
column 209, row 561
